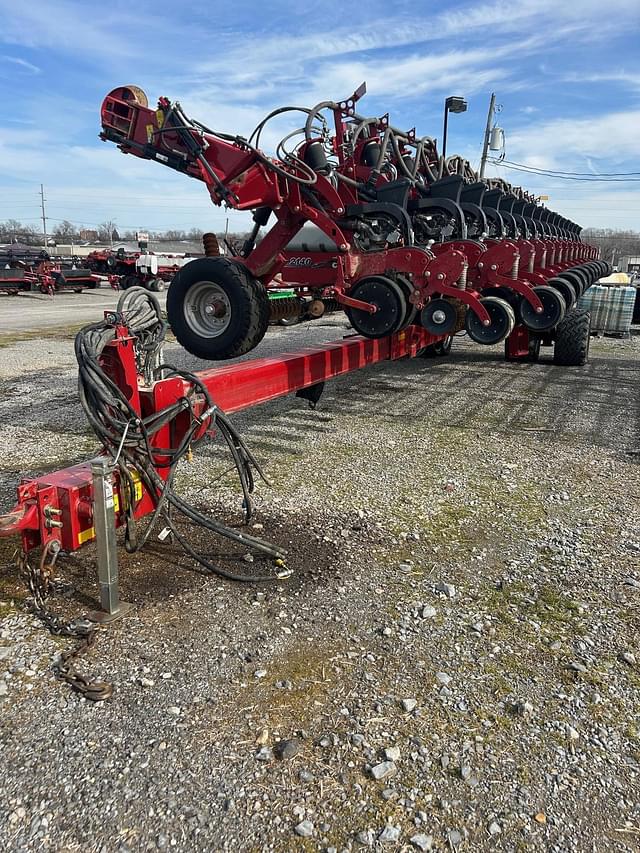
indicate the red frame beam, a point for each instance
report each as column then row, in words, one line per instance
column 59, row 506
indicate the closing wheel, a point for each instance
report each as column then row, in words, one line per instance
column 572, row 339
column 216, row 309
column 389, row 300
column 578, row 278
column 566, row 288
column 156, row 285
column 407, row 288
column 439, row 317
column 553, row 309
column 502, row 322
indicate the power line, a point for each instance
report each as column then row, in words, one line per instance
column 556, row 175
column 563, row 172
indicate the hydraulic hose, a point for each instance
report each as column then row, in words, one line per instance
column 128, row 438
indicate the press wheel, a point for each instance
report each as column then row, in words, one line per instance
column 553, row 309
column 502, row 322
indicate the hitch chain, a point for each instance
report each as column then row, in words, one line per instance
column 41, row 582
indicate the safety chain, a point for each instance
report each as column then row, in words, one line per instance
column 41, row 582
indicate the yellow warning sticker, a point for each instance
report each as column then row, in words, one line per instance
column 90, row 532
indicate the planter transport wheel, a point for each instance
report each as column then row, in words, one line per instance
column 572, row 339
column 156, row 285
column 503, row 321
column 554, row 309
column 388, row 298
column 439, row 317
column 217, row 310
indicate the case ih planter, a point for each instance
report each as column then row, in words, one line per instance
column 366, row 215
column 367, row 218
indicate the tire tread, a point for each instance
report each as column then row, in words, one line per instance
column 571, row 348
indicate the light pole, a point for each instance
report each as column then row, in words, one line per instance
column 487, row 134
column 453, row 104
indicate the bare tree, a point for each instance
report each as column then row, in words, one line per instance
column 613, row 243
column 65, row 231
column 106, row 231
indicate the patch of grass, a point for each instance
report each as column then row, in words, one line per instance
column 8, row 339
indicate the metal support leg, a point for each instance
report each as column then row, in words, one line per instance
column 104, row 521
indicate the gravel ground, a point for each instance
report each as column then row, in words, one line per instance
column 37, row 313
column 454, row 664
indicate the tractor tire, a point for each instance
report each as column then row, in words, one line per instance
column 217, row 310
column 572, row 337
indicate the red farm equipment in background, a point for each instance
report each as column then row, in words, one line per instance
column 136, row 269
column 24, row 269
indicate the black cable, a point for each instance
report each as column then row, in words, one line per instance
column 128, row 439
column 573, row 174
column 557, row 176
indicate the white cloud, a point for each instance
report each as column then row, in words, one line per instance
column 230, row 76
column 613, row 137
column 22, row 63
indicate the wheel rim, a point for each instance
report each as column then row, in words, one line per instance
column 553, row 310
column 502, row 322
column 207, row 309
column 439, row 317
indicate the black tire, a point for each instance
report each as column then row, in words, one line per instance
column 388, row 297
column 568, row 289
column 246, row 308
column 554, row 309
column 579, row 279
column 439, row 350
column 156, row 285
column 572, row 338
column 502, row 317
column 128, row 281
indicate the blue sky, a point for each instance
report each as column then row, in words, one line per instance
column 567, row 76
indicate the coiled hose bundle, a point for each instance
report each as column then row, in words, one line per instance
column 128, row 439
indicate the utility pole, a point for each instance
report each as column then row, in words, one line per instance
column 487, row 134
column 44, row 216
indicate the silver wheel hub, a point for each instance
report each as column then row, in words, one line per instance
column 439, row 316
column 207, row 309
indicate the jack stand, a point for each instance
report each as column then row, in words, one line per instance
column 104, row 520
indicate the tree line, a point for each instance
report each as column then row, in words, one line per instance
column 14, row 231
column 614, row 243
